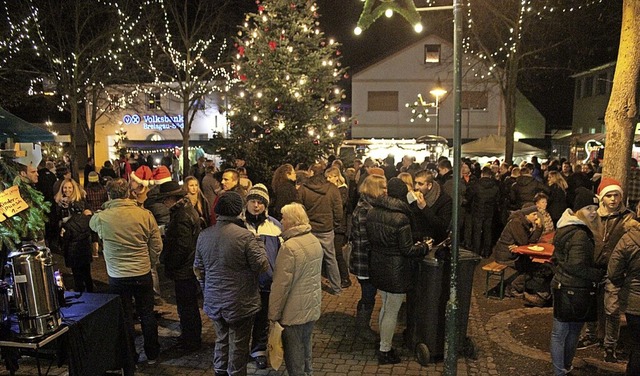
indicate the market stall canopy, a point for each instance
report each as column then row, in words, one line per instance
column 494, row 146
column 21, row 130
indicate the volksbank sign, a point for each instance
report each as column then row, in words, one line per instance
column 155, row 122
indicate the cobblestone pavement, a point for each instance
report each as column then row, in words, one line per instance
column 337, row 352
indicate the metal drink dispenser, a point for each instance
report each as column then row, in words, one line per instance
column 35, row 291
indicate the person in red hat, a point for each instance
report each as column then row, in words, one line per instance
column 139, row 184
column 613, row 217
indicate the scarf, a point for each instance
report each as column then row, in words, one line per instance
column 433, row 194
column 256, row 220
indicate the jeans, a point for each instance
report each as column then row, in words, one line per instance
column 188, row 310
column 139, row 288
column 388, row 318
column 633, row 326
column 82, row 280
column 260, row 332
column 368, row 292
column 482, row 231
column 564, row 340
column 232, row 346
column 297, row 341
column 329, row 260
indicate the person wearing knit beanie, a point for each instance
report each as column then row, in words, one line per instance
column 230, row 204
column 259, row 192
column 584, row 198
column 607, row 185
column 397, row 188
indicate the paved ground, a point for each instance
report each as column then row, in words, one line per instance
column 509, row 339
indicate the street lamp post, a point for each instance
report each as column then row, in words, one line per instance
column 368, row 16
column 438, row 92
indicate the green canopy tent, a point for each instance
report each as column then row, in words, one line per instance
column 21, row 130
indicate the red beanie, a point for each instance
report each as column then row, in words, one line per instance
column 607, row 185
column 161, row 175
column 142, row 175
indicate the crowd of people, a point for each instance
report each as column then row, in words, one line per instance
column 373, row 219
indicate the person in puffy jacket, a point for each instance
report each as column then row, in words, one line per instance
column 296, row 292
column 524, row 190
column 624, row 272
column 574, row 267
column 392, row 263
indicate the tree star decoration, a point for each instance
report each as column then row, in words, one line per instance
column 406, row 8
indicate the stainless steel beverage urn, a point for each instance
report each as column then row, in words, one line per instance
column 35, row 291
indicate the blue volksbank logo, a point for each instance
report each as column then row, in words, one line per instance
column 156, row 122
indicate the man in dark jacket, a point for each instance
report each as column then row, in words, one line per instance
column 178, row 254
column 445, row 176
column 524, row 227
column 525, row 188
column 432, row 208
column 228, row 260
column 323, row 204
column 483, row 198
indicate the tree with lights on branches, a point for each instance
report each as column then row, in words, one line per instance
column 286, row 108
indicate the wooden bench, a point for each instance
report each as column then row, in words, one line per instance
column 494, row 269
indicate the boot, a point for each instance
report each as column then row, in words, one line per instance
column 363, row 318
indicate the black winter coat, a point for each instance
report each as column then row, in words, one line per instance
column 524, row 190
column 181, row 237
column 483, row 196
column 76, row 241
column 572, row 259
column 434, row 221
column 393, row 259
column 557, row 202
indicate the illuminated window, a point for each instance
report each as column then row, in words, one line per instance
column 382, row 101
column 153, row 101
column 432, row 54
column 587, row 91
column 578, row 88
column 474, row 100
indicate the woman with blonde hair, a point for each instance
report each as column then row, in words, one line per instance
column 283, row 186
column 372, row 187
column 70, row 199
column 199, row 202
column 334, row 177
column 557, row 202
column 407, row 179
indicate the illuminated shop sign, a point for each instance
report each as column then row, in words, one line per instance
column 155, row 122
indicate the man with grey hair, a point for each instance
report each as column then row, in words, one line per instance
column 132, row 244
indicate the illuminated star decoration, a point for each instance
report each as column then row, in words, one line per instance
column 420, row 109
column 406, row 8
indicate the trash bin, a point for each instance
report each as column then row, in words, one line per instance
column 427, row 302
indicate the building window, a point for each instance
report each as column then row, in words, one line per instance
column 153, row 101
column 578, row 88
column 432, row 54
column 602, row 83
column 474, row 100
column 588, row 87
column 382, row 101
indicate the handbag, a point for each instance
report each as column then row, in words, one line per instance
column 275, row 350
column 575, row 304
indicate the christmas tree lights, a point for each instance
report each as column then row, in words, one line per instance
column 288, row 97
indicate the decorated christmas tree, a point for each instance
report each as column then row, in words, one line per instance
column 285, row 108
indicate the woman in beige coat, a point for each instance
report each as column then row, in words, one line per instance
column 296, row 293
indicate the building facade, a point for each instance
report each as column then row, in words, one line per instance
column 591, row 97
column 381, row 91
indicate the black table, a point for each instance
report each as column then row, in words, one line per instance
column 92, row 338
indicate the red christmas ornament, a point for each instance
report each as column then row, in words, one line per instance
column 282, row 37
column 338, row 53
column 243, row 77
column 267, row 131
column 272, row 45
column 346, row 75
column 259, row 61
column 260, row 9
column 316, row 142
column 241, row 50
column 293, row 6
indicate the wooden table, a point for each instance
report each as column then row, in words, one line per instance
column 541, row 256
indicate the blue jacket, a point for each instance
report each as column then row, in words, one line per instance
column 269, row 231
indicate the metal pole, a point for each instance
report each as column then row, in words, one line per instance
column 437, row 115
column 451, row 328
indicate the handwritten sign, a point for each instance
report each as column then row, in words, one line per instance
column 11, row 203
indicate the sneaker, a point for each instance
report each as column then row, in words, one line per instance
column 388, row 357
column 261, row 362
column 585, row 342
column 152, row 361
column 610, row 355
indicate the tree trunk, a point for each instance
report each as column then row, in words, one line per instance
column 73, row 132
column 510, row 92
column 621, row 116
column 186, row 164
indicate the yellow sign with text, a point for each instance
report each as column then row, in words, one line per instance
column 11, row 203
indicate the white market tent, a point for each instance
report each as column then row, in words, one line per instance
column 493, row 146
